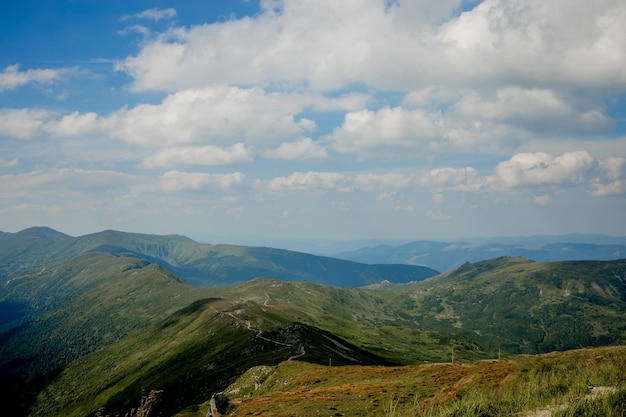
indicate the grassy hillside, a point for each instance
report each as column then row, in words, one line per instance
column 67, row 310
column 527, row 307
column 590, row 382
column 198, row 264
column 106, row 325
column 197, row 351
column 374, row 320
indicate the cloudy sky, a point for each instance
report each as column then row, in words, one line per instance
column 314, row 119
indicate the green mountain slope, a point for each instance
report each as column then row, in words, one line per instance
column 197, row 351
column 445, row 256
column 67, row 310
column 105, row 323
column 198, row 264
column 377, row 321
column 525, row 306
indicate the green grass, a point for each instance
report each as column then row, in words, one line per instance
column 518, row 386
column 146, row 329
column 195, row 352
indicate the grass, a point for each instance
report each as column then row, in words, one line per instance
column 520, row 386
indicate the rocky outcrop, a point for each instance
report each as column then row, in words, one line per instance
column 219, row 405
column 151, row 405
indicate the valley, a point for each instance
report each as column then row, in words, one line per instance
column 92, row 325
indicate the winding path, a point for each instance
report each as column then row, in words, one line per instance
column 260, row 336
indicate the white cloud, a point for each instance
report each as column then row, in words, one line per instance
column 437, row 198
column 11, row 77
column 75, row 124
column 375, row 181
column 302, row 149
column 216, row 116
column 534, row 171
column 207, row 155
column 153, row 14
column 387, row 132
column 611, row 188
column 388, row 195
column 61, row 181
column 458, row 179
column 534, row 110
column 179, row 181
column 23, row 123
column 529, row 169
column 614, row 167
column 541, row 200
column 310, row 181
column 470, row 121
column 328, row 45
column 4, row 163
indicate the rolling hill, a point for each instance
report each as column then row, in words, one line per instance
column 197, row 263
column 100, row 323
column 525, row 306
column 198, row 350
column 445, row 256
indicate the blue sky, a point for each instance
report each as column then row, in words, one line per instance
column 302, row 119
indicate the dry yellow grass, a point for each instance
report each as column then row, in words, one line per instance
column 519, row 385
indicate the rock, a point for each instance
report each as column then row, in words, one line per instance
column 219, row 405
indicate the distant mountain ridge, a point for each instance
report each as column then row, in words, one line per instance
column 197, row 263
column 90, row 325
column 445, row 256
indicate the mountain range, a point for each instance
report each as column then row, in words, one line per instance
column 197, row 263
column 445, row 256
column 109, row 324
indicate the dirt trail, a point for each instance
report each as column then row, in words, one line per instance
column 259, row 334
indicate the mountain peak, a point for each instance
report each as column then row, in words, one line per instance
column 43, row 232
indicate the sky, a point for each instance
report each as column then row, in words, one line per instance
column 314, row 119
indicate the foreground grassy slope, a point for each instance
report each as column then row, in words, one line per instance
column 590, row 382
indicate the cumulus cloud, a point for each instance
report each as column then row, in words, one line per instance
column 302, row 149
column 538, row 170
column 457, row 179
column 217, row 116
column 75, row 124
column 59, row 181
column 23, row 123
column 389, row 131
column 470, row 121
column 179, row 181
column 328, row 45
column 199, row 155
column 11, row 77
column 310, row 181
column 534, row 110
